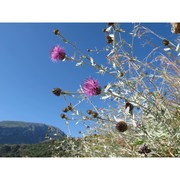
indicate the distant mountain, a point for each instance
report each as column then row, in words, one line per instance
column 17, row 132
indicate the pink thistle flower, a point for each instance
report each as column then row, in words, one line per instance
column 57, row 53
column 91, row 87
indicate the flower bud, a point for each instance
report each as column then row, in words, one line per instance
column 65, row 110
column 109, row 39
column 56, row 32
column 110, row 24
column 70, row 107
column 165, row 42
column 89, row 111
column 98, row 91
column 63, row 116
column 121, row 126
column 94, row 114
column 57, row 91
column 89, row 50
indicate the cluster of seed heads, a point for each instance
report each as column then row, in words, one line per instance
column 92, row 113
column 68, row 108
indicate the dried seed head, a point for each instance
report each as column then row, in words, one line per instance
column 110, row 24
column 121, row 126
column 94, row 114
column 63, row 116
column 56, row 32
column 175, row 28
column 165, row 42
column 89, row 111
column 70, row 107
column 109, row 39
column 57, row 91
column 144, row 149
column 121, row 74
column 65, row 110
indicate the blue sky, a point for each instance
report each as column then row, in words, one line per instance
column 27, row 74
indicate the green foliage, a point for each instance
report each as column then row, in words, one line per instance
column 30, row 150
column 144, row 94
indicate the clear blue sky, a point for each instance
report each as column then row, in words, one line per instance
column 27, row 74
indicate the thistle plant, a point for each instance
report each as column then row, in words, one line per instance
column 140, row 113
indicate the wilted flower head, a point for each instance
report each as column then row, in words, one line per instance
column 91, row 87
column 121, row 126
column 144, row 150
column 57, row 53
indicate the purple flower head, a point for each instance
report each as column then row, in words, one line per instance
column 91, row 87
column 57, row 53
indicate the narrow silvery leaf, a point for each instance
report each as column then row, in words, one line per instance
column 92, row 61
column 108, row 29
column 79, row 63
column 77, row 112
column 105, row 97
column 167, row 49
column 134, row 122
column 177, row 48
column 111, row 35
column 112, row 51
column 77, row 122
column 107, row 87
column 127, row 110
column 120, row 30
column 115, row 94
column 114, row 65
